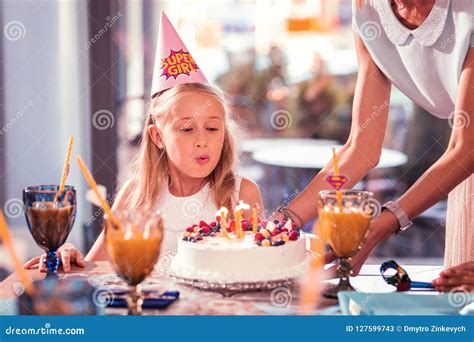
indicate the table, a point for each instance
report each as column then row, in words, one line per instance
column 198, row 302
column 297, row 154
column 252, row 145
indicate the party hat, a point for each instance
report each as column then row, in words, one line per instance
column 173, row 63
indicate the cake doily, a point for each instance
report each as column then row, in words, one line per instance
column 164, row 267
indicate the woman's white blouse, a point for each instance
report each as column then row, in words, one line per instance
column 426, row 63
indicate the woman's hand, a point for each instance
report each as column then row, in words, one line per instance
column 459, row 277
column 67, row 253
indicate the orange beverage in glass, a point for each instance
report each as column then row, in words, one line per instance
column 345, row 230
column 134, row 247
column 344, row 224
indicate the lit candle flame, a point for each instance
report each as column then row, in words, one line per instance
column 222, row 213
column 240, row 207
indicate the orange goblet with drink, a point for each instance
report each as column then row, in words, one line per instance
column 133, row 245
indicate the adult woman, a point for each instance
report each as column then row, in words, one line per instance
column 425, row 48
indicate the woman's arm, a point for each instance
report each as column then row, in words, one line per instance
column 98, row 251
column 362, row 150
column 455, row 165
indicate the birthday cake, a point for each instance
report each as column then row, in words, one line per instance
column 244, row 252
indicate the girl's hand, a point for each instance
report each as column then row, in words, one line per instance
column 459, row 277
column 67, row 253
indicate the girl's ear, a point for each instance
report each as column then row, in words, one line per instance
column 155, row 136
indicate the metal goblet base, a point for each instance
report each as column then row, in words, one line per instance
column 343, row 270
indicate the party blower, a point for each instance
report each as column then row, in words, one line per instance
column 395, row 275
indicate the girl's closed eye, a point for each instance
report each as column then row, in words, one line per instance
column 212, row 129
column 186, row 129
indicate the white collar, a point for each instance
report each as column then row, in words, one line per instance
column 426, row 34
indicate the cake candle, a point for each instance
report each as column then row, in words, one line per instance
column 241, row 206
column 222, row 213
column 255, row 218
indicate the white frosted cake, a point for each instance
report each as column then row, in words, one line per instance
column 273, row 253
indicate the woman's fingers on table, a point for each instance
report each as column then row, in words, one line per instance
column 454, row 281
column 460, row 276
column 462, row 268
column 462, row 289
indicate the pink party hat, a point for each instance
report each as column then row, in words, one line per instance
column 173, row 63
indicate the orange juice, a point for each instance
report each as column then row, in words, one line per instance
column 344, row 231
column 133, row 253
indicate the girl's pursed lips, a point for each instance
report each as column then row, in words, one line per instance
column 202, row 159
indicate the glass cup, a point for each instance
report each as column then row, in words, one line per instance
column 344, row 226
column 133, row 245
column 50, row 216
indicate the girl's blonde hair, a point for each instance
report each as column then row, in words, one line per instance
column 151, row 168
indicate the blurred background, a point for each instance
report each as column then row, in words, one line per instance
column 84, row 68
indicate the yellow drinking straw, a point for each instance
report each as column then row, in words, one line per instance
column 66, row 163
column 336, row 173
column 65, row 168
column 93, row 186
column 5, row 237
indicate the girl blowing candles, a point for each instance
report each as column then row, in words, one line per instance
column 187, row 158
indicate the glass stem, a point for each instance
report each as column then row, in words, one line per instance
column 135, row 300
column 344, row 270
column 52, row 264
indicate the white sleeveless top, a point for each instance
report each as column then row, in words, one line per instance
column 181, row 212
column 425, row 64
